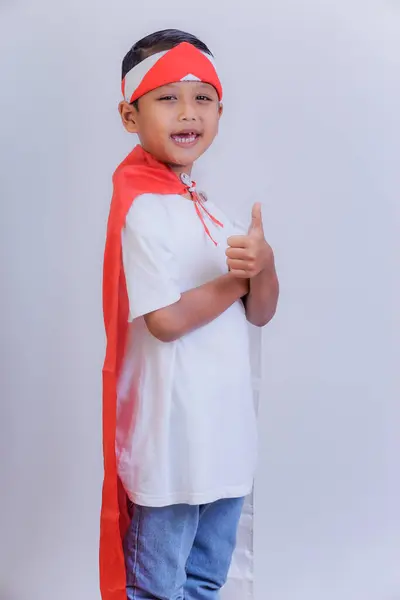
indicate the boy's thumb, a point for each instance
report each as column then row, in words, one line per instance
column 256, row 218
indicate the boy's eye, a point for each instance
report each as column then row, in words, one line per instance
column 169, row 97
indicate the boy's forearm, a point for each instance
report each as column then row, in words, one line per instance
column 262, row 299
column 196, row 308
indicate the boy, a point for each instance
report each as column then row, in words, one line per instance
column 179, row 422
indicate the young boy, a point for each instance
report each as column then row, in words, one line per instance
column 180, row 284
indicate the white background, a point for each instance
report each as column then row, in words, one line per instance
column 312, row 130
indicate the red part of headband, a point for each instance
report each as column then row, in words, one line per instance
column 179, row 62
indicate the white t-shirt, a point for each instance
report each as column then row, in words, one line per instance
column 186, row 425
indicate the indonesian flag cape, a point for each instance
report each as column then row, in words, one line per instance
column 138, row 174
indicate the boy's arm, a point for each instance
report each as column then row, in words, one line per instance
column 251, row 257
column 196, row 307
column 262, row 299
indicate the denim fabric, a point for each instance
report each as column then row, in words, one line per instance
column 180, row 552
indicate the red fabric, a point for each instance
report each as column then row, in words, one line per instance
column 139, row 173
column 176, row 64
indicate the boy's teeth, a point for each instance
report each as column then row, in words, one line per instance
column 187, row 139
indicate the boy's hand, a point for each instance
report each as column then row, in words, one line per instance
column 250, row 254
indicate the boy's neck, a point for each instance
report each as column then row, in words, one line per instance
column 180, row 169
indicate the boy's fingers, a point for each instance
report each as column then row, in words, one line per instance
column 237, row 253
column 239, row 274
column 236, row 265
column 237, row 241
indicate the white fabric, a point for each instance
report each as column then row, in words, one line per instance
column 190, row 77
column 188, row 434
column 135, row 76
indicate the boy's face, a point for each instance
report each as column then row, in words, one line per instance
column 175, row 123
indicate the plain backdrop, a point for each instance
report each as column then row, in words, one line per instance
column 311, row 129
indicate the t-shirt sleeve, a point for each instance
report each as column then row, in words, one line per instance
column 148, row 266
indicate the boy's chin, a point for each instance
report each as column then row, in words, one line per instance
column 184, row 158
column 179, row 158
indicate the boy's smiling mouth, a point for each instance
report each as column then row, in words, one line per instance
column 186, row 138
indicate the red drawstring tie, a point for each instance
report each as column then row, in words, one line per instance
column 200, row 205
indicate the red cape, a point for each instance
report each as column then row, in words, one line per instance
column 138, row 174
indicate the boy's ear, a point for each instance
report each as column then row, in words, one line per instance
column 128, row 116
column 220, row 109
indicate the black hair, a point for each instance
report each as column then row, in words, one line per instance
column 159, row 42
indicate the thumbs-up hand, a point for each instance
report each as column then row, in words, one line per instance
column 248, row 255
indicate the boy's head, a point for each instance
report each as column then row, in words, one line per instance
column 178, row 121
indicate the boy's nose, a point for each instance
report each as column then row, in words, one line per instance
column 188, row 113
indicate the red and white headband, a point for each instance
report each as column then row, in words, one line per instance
column 182, row 63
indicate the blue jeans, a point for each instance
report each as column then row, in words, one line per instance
column 180, row 552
